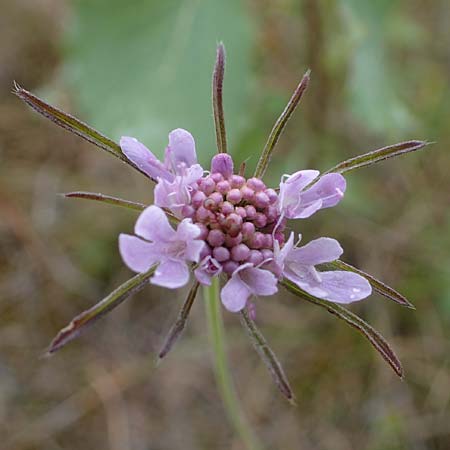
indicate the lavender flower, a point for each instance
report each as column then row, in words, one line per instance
column 238, row 244
column 232, row 227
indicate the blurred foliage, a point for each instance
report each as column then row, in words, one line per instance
column 380, row 74
column 143, row 67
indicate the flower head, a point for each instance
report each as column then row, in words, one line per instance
column 236, row 228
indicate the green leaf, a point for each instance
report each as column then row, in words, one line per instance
column 376, row 284
column 91, row 315
column 69, row 122
column 217, row 96
column 143, row 67
column 267, row 355
column 108, row 199
column 280, row 125
column 375, row 338
column 367, row 159
column 180, row 324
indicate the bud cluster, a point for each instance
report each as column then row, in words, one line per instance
column 237, row 218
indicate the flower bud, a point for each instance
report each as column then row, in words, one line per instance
column 234, row 196
column 198, row 198
column 223, row 186
column 216, row 238
column 221, row 254
column 227, row 208
column 237, row 181
column 223, row 164
column 256, row 184
column 240, row 253
column 230, row 266
column 247, row 193
column 255, row 257
column 251, row 212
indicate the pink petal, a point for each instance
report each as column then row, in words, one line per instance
column 291, row 190
column 153, row 225
column 344, row 287
column 172, row 195
column 234, row 294
column 222, row 163
column 181, row 150
column 137, row 254
column 259, row 281
column 143, row 158
column 329, row 189
column 319, row 251
column 171, row 274
column 335, row 286
column 207, row 269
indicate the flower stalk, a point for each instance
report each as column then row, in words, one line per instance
column 221, row 367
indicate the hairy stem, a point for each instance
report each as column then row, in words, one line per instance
column 222, row 370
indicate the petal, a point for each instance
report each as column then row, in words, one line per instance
column 222, row 163
column 153, row 225
column 335, row 286
column 319, row 251
column 291, row 189
column 208, row 268
column 187, row 231
column 171, row 274
column 192, row 174
column 143, row 158
column 303, row 211
column 344, row 287
column 137, row 254
column 259, row 281
column 172, row 195
column 234, row 294
column 329, row 189
column 180, row 153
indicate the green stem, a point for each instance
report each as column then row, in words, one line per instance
column 222, row 370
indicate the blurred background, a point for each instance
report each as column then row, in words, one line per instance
column 380, row 74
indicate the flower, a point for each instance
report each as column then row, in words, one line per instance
column 156, row 242
column 298, row 265
column 234, row 226
column 176, row 174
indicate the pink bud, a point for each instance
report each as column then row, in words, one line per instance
column 217, row 177
column 206, row 251
column 198, row 198
column 260, row 220
column 232, row 241
column 267, row 254
column 223, row 186
column 230, row 266
column 221, row 254
column 240, row 252
column 216, row 238
column 234, row 196
column 248, row 229
column 188, row 211
column 227, row 208
column 240, row 210
column 207, row 185
column 237, row 181
column 272, row 194
column 222, row 163
column 247, row 193
column 255, row 257
column 256, row 184
column 203, row 230
column 202, row 214
column 251, row 212
column 261, row 200
column 257, row 240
